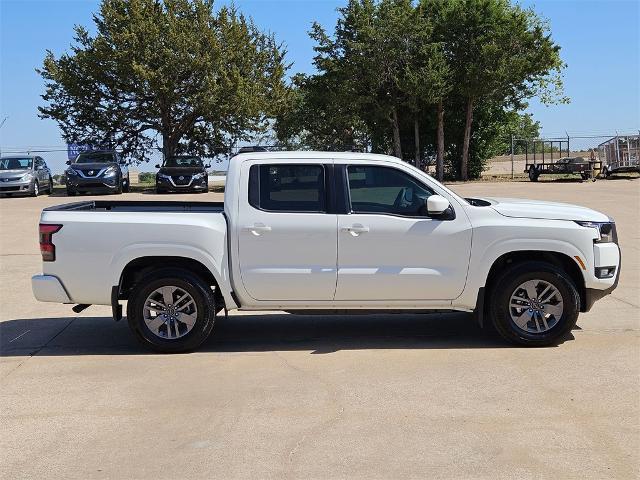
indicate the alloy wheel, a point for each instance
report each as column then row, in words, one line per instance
column 170, row 312
column 536, row 306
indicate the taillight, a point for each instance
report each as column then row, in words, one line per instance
column 47, row 248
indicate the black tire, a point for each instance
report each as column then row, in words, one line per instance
column 71, row 192
column 35, row 189
column 50, row 189
column 606, row 173
column 125, row 185
column 533, row 174
column 506, row 285
column 118, row 189
column 198, row 289
column 160, row 191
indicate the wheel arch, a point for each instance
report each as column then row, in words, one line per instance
column 140, row 267
column 558, row 259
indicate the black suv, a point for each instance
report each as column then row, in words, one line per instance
column 97, row 172
column 182, row 174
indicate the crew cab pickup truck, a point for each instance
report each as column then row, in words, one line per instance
column 328, row 232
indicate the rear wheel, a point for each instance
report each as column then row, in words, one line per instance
column 171, row 311
column 534, row 304
column 71, row 192
column 533, row 174
column 125, row 185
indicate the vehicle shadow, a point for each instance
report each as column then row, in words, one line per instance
column 319, row 334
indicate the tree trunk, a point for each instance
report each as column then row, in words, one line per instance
column 464, row 174
column 397, row 146
column 440, row 150
column 416, row 134
column 169, row 146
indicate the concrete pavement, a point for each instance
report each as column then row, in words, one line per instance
column 282, row 396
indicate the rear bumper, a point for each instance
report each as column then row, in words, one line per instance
column 47, row 288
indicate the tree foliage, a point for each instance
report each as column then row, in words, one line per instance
column 169, row 74
column 406, row 75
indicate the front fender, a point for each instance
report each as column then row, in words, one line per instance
column 482, row 261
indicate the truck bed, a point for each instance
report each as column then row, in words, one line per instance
column 139, row 206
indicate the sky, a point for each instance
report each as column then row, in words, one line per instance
column 600, row 43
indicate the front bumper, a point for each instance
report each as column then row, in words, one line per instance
column 605, row 255
column 92, row 184
column 16, row 186
column 48, row 288
column 194, row 185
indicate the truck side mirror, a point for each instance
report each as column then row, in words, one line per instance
column 436, row 205
column 68, row 162
column 439, row 207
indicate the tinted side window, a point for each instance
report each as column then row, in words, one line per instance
column 386, row 190
column 287, row 188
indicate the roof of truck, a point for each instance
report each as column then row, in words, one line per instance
column 306, row 154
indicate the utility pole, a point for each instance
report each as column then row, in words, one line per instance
column 512, row 156
column 1, row 125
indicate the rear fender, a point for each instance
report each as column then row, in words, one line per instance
column 217, row 266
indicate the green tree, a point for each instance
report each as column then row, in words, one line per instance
column 174, row 69
column 499, row 52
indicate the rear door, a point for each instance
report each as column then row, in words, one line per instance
column 287, row 246
column 41, row 173
column 389, row 249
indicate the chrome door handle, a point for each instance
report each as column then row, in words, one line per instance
column 258, row 228
column 356, row 229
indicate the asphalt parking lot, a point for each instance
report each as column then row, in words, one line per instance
column 280, row 396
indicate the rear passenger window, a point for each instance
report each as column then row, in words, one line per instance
column 287, row 188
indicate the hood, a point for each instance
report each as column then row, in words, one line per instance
column 92, row 166
column 16, row 172
column 181, row 170
column 521, row 208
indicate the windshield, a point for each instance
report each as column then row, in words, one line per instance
column 95, row 157
column 16, row 163
column 183, row 162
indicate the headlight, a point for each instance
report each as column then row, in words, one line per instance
column 27, row 176
column 198, row 176
column 110, row 172
column 163, row 176
column 606, row 231
column 71, row 172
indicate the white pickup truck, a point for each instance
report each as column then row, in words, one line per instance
column 328, row 232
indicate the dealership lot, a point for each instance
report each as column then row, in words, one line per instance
column 281, row 396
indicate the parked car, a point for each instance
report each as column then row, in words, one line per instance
column 182, row 174
column 25, row 174
column 330, row 232
column 97, row 172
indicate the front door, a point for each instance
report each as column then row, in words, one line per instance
column 287, row 240
column 389, row 249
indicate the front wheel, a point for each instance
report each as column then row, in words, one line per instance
column 534, row 304
column 125, row 185
column 35, row 190
column 171, row 311
column 533, row 174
